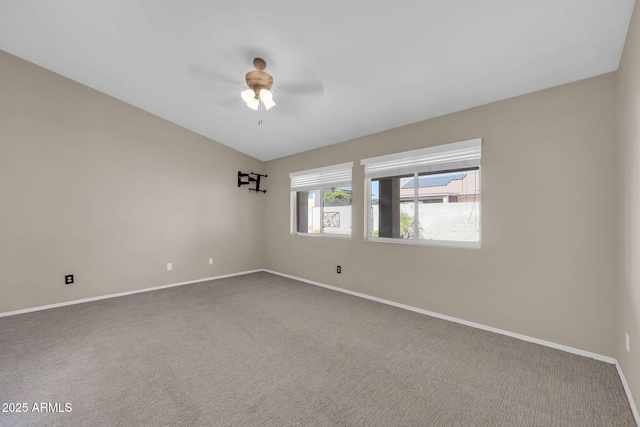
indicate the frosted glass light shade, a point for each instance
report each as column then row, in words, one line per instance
column 248, row 95
column 268, row 104
column 266, row 96
column 253, row 103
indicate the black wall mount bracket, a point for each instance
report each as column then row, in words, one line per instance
column 248, row 178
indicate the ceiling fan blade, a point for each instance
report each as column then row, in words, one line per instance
column 231, row 103
column 298, row 96
column 313, row 88
column 293, row 105
column 208, row 76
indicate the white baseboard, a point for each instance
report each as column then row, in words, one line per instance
column 568, row 349
column 120, row 294
column 627, row 390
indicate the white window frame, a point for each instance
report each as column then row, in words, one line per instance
column 437, row 159
column 339, row 175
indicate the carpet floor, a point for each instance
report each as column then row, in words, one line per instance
column 261, row 350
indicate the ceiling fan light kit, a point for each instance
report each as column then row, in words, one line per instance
column 259, row 83
column 249, row 97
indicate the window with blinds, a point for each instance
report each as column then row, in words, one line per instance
column 428, row 196
column 321, row 200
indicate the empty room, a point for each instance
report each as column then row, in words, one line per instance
column 419, row 213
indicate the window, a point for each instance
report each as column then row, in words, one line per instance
column 321, row 201
column 427, row 196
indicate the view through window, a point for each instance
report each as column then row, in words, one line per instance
column 446, row 205
column 322, row 199
column 430, row 195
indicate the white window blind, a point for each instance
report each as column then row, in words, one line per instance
column 329, row 176
column 457, row 155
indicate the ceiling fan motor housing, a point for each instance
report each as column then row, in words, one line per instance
column 259, row 79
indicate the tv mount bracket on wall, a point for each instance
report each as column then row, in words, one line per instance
column 251, row 177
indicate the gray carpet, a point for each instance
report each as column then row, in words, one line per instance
column 260, row 350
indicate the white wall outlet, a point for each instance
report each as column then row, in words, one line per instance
column 169, row 266
column 626, row 342
column 210, row 261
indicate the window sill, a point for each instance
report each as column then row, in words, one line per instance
column 424, row 242
column 332, row 236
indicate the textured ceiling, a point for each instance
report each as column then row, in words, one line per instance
column 342, row 69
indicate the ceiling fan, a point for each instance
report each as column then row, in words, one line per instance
column 220, row 74
column 260, row 83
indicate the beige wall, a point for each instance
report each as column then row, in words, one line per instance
column 547, row 265
column 92, row 186
column 628, row 307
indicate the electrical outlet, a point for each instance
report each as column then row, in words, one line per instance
column 626, row 342
column 68, row 279
column 339, row 270
column 210, row 261
column 169, row 266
